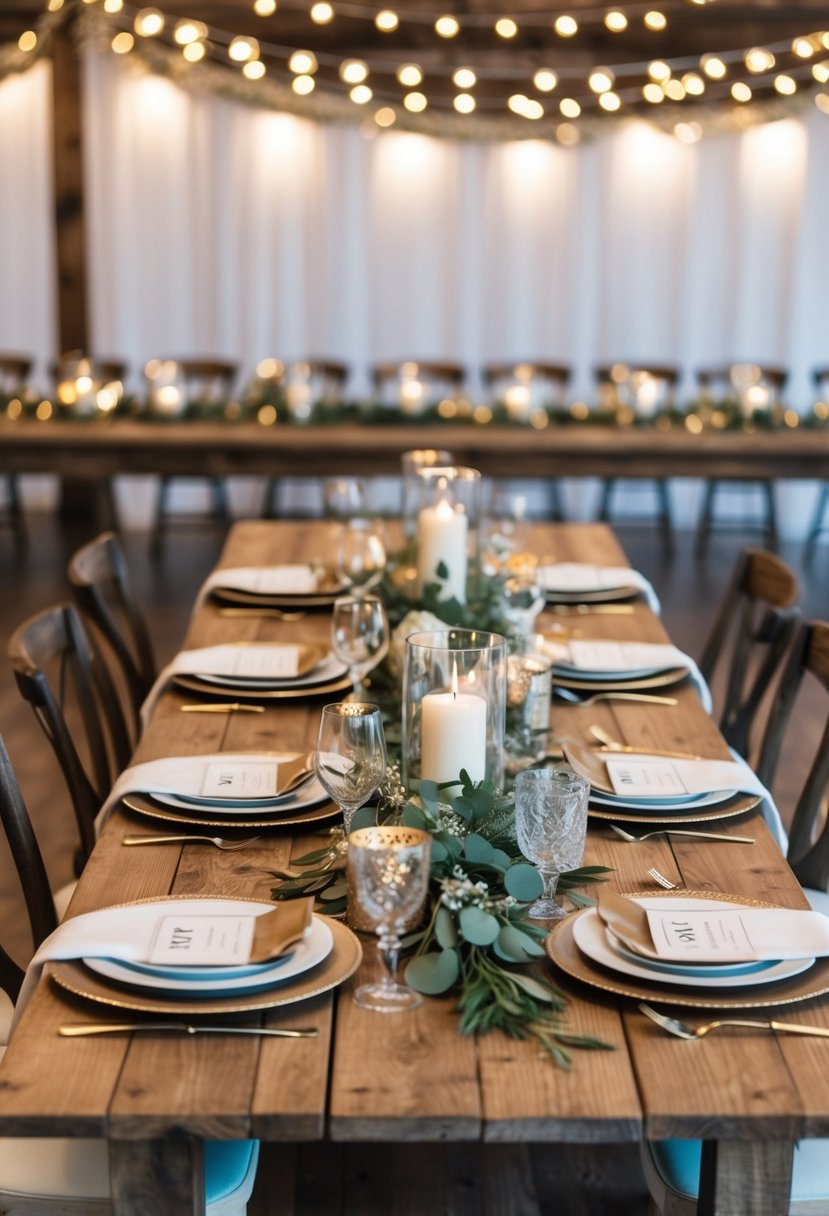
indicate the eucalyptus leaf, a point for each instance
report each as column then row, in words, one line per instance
column 365, row 817
column 413, row 817
column 434, row 972
column 478, row 851
column 337, row 890
column 445, row 929
column 479, row 928
column 535, row 988
column 523, row 882
column 429, row 792
column 439, row 852
column 515, row 946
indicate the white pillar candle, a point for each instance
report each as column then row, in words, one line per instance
column 453, row 736
column 441, row 539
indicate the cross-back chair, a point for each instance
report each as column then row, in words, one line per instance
column 173, row 386
column 57, row 670
column 749, row 638
column 638, row 390
column 14, row 371
column 412, row 385
column 101, row 585
column 672, row 1167
column 41, row 1177
column 752, row 386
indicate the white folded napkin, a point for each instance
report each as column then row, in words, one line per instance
column 573, row 577
column 234, row 775
column 262, row 580
column 146, row 932
column 253, row 661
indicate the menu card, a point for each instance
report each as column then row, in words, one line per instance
column 239, row 780
column 644, row 776
column 731, row 935
column 622, row 656
column 257, row 661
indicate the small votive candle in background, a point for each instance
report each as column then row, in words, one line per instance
column 442, row 546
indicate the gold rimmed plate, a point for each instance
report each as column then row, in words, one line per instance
column 344, row 959
column 282, row 817
column 739, row 804
column 563, row 952
column 250, row 693
column 660, row 679
column 603, row 595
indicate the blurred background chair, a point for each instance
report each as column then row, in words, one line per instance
column 748, row 641
column 101, row 586
column 637, row 391
column 174, row 389
column 752, row 388
column 298, row 386
column 819, row 523
column 14, row 372
column 66, row 682
column 672, row 1167
column 415, row 385
column 524, row 388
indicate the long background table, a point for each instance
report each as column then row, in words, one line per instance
column 413, row 1078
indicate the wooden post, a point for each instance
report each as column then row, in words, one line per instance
column 67, row 121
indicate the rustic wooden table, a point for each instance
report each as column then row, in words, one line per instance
column 413, row 1078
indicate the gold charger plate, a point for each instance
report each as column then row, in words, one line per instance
column 738, row 805
column 144, row 806
column 223, row 691
column 604, row 595
column 672, row 676
column 344, row 959
column 564, row 953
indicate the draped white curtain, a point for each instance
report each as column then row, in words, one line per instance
column 218, row 228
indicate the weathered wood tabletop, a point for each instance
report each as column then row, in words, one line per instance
column 413, row 1077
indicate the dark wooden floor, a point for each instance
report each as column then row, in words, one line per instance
column 357, row 1180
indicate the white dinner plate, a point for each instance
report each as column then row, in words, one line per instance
column 229, row 980
column 590, row 937
column 330, row 668
column 309, row 794
column 681, row 802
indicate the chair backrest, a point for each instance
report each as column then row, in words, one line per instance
column 173, row 384
column 55, row 642
column 755, row 623
column 808, row 842
column 14, row 371
column 752, row 385
column 101, row 586
column 643, row 388
column 28, row 862
column 413, row 384
column 820, row 375
column 529, row 383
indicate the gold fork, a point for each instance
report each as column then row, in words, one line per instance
column 683, row 1030
column 219, row 841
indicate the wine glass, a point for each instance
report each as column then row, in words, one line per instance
column 343, row 498
column 351, row 755
column 359, row 635
column 361, row 555
column 388, row 873
column 550, row 823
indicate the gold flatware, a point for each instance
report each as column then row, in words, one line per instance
column 592, row 609
column 77, row 1030
column 683, row 1030
column 278, row 614
column 219, row 841
column 631, row 839
column 648, row 698
column 224, row 707
column 609, row 744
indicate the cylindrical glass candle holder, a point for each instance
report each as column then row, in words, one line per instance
column 410, row 465
column 454, row 706
column 447, row 529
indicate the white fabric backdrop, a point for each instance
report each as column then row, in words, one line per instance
column 217, row 228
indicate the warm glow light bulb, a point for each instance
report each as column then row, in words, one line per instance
column 659, row 70
column 113, row 6
column 123, row 43
column 609, row 102
column 820, row 71
column 409, row 75
column 149, row 22
column 758, row 59
column 27, row 41
column 654, row 20
column 569, row 107
column 653, row 93
column 785, row 85
column 740, row 91
column 254, row 69
column 385, row 117
column 386, row 20
column 353, row 71
column 303, row 63
column 447, row 26
column 545, row 80
column 565, row 26
column 616, row 21
column 803, row 48
column 264, row 8
column 688, row 132
column 526, row 107
column 822, row 102
column 567, row 134
column 464, row 78
column 713, row 67
column 674, row 89
column 600, row 80
column 464, row 103
column 321, row 12
column 415, row 103
column 361, row 94
column 694, row 85
column 242, row 49
column 194, row 51
column 189, row 31
column 505, row 27
column 303, row 85
column 55, row 6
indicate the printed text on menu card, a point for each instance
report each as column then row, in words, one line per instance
column 239, row 780
column 636, row 778
column 207, row 941
column 266, row 661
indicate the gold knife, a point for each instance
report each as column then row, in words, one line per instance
column 225, row 707
column 76, row 1030
column 592, row 609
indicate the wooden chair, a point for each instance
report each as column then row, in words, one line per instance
column 819, row 523
column 77, row 682
column 672, row 1167
column 39, row 1176
column 187, row 382
column 412, row 385
column 100, row 583
column 752, row 386
column 752, row 631
column 638, row 389
column 14, row 371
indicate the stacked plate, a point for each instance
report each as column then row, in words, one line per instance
column 280, row 587
column 319, row 673
column 572, row 583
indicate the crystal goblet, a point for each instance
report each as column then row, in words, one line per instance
column 388, row 871
column 550, row 824
column 351, row 755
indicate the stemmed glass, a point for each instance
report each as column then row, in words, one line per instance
column 361, row 555
column 550, row 823
column 388, row 871
column 344, row 498
column 351, row 755
column 359, row 635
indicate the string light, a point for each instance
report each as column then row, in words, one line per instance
column 659, row 70
column 123, row 43
column 569, row 107
column 242, row 48
column 353, row 71
column 361, row 94
column 653, row 93
column 27, row 41
column 409, row 75
column 194, row 51
column 415, row 103
column 254, row 69
column 113, row 6
column 55, row 6
column 149, row 22
column 610, row 102
column 464, row 78
column 803, row 48
column 693, row 84
column 600, row 80
column 785, row 85
column 655, row 20
column 525, row 107
column 567, row 134
column 321, row 13
column 545, row 80
column 386, row 21
column 740, row 91
column 264, row 8
column 566, row 26
column 303, row 63
column 820, row 71
column 758, row 59
column 713, row 67
column 189, row 31
column 616, row 21
column 505, row 27
column 385, row 117
column 464, row 103
column 688, row 132
column 303, row 85
column 674, row 89
column 447, row 27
